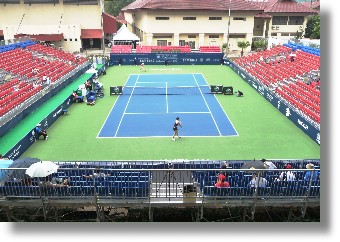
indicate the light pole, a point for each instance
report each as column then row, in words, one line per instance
column 102, row 25
column 227, row 49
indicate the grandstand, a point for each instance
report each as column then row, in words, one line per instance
column 297, row 81
column 29, row 73
column 151, row 184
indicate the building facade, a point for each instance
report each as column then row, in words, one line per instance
column 70, row 24
column 212, row 23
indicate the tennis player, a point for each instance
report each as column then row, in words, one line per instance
column 142, row 67
column 175, row 128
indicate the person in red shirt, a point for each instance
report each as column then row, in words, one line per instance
column 221, row 181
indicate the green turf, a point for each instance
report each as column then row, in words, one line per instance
column 263, row 131
column 21, row 129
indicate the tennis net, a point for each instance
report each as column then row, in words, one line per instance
column 174, row 90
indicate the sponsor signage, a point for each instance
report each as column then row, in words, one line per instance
column 172, row 58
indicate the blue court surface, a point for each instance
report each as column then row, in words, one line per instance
column 150, row 104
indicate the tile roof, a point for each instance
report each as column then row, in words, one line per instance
column 220, row 5
column 282, row 6
column 121, row 18
column 268, row 6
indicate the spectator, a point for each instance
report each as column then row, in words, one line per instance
column 287, row 175
column 269, row 164
column 308, row 175
column 223, row 166
column 88, row 85
column 221, row 181
column 262, row 182
column 56, row 182
column 39, row 131
column 96, row 174
column 75, row 96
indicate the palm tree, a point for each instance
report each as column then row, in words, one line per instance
column 243, row 45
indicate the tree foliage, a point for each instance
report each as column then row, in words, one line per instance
column 113, row 7
column 243, row 45
column 260, row 44
column 312, row 29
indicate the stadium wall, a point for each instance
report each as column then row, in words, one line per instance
column 286, row 110
column 173, row 58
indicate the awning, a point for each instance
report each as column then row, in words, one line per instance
column 42, row 37
column 1, row 32
column 91, row 34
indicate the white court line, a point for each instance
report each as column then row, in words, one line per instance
column 150, row 82
column 120, row 122
column 223, row 110
column 166, row 136
column 166, row 97
column 207, row 106
column 110, row 111
column 170, row 113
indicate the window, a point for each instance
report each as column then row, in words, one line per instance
column 189, row 18
column 214, row 36
column 215, row 18
column 237, row 36
column 274, row 34
column 280, row 20
column 295, row 20
column 239, row 18
column 161, row 42
column 191, row 36
column 162, row 18
column 284, row 34
column 182, row 43
column 162, row 36
column 293, row 34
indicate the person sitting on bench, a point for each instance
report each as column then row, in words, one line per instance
column 39, row 131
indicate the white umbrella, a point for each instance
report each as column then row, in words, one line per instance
column 42, row 169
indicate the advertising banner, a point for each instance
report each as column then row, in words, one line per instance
column 167, row 59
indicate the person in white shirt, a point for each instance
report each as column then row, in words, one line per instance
column 261, row 183
column 269, row 164
column 287, row 175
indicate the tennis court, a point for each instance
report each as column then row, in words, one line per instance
column 151, row 102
